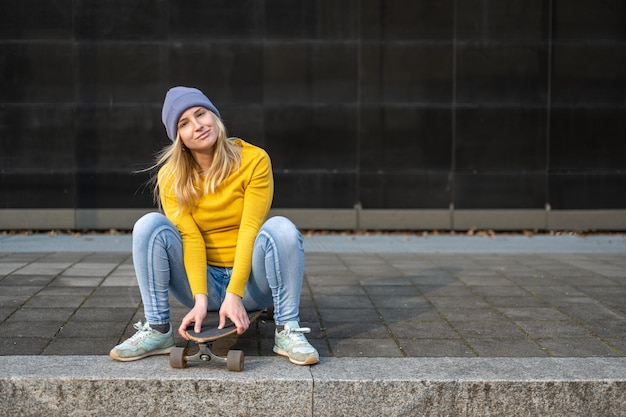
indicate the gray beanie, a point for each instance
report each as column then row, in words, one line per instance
column 179, row 99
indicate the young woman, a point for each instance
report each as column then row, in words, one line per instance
column 212, row 248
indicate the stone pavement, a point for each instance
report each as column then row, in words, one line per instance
column 364, row 296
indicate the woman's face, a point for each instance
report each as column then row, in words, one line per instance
column 197, row 129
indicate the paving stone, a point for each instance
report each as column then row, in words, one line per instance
column 53, row 301
column 120, row 281
column 76, row 281
column 122, row 292
column 492, row 347
column 411, row 302
column 423, row 330
column 590, row 311
column 587, row 281
column 112, row 301
column 25, row 315
column 89, row 270
column 503, row 301
column 323, row 290
column 26, row 280
column 87, row 329
column 499, row 291
column 67, row 258
column 119, row 314
column 552, row 329
column 33, row 329
column 481, row 280
column 12, row 301
column 554, row 292
column 426, row 313
column 68, row 292
column 353, row 347
column 7, row 267
column 79, row 346
column 362, row 330
column 330, row 315
column 390, row 291
column 534, row 281
column 10, row 346
column 392, row 280
column 6, row 312
column 607, row 328
column 308, row 314
column 615, row 301
column 469, row 314
column 22, row 257
column 437, row 278
column 532, row 313
column 42, row 269
column 487, row 329
column 447, row 302
column 619, row 344
column 578, row 348
column 436, row 348
column 451, row 290
column 330, row 280
column 332, row 301
column 19, row 291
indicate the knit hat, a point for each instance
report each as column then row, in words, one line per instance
column 179, row 99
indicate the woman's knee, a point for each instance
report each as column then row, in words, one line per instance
column 281, row 229
column 148, row 222
column 281, row 226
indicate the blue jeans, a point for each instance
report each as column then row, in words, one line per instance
column 275, row 279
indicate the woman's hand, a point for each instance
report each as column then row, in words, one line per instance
column 196, row 315
column 233, row 309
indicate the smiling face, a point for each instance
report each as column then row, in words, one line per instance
column 197, row 130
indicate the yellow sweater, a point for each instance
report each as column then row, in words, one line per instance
column 220, row 230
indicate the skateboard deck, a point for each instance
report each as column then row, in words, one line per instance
column 208, row 334
column 209, row 331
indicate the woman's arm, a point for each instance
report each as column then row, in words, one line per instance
column 258, row 197
column 194, row 257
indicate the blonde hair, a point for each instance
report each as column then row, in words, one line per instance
column 179, row 170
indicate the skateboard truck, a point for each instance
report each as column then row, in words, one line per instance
column 234, row 360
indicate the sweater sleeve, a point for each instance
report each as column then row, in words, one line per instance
column 194, row 250
column 258, row 195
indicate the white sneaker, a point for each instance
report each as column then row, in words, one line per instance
column 146, row 342
column 292, row 343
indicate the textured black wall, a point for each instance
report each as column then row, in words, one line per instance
column 386, row 103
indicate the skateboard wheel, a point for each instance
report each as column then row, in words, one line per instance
column 178, row 357
column 234, row 360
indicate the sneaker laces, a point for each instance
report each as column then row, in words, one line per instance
column 296, row 334
column 143, row 330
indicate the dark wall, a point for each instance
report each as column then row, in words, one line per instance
column 387, row 103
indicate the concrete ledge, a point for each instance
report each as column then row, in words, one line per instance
column 43, row 219
column 500, row 219
column 587, row 220
column 123, row 219
column 325, row 219
column 405, row 219
column 95, row 385
column 342, row 219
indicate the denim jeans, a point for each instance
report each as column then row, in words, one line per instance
column 275, row 279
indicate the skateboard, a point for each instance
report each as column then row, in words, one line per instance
column 209, row 333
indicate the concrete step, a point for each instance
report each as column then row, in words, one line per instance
column 271, row 386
